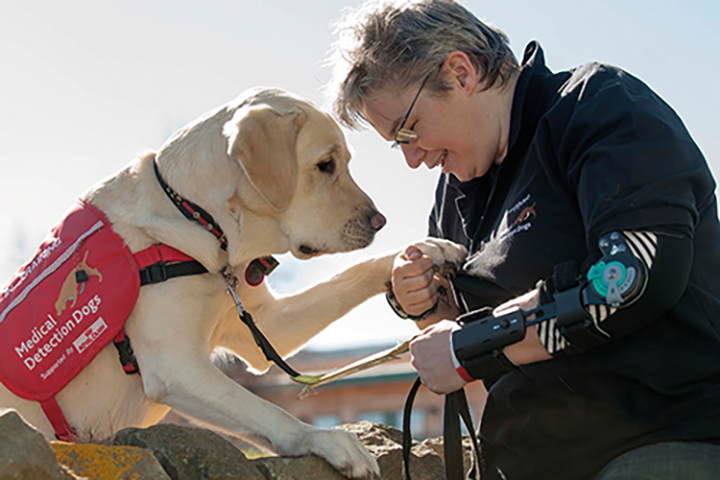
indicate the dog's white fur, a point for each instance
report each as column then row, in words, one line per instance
column 259, row 166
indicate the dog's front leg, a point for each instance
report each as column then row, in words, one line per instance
column 289, row 322
column 179, row 374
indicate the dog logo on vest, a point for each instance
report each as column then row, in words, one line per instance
column 525, row 215
column 76, row 278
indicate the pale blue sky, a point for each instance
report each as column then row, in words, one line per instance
column 87, row 85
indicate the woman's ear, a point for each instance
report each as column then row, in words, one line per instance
column 461, row 71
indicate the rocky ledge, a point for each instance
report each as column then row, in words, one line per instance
column 186, row 453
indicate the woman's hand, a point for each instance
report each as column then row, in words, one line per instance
column 432, row 358
column 417, row 288
column 412, row 281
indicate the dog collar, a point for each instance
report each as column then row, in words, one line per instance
column 256, row 271
column 192, row 211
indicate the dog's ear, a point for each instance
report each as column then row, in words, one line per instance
column 263, row 140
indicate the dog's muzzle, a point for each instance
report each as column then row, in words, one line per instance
column 360, row 231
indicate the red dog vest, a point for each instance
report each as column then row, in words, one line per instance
column 66, row 304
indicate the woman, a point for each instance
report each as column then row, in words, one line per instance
column 541, row 172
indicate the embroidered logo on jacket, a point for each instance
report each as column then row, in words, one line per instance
column 523, row 212
column 526, row 214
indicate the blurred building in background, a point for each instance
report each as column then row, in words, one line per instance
column 377, row 394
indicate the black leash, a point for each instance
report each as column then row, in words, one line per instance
column 407, row 434
column 456, row 407
column 260, row 339
column 254, row 274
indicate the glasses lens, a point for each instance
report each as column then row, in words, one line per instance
column 405, row 136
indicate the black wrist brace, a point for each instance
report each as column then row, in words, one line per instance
column 478, row 345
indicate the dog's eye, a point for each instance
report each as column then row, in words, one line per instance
column 327, row 166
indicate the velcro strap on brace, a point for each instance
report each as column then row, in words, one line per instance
column 491, row 365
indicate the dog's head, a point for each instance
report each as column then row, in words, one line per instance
column 296, row 159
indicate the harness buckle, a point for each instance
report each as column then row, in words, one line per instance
column 126, row 354
column 155, row 273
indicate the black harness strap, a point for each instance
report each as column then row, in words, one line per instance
column 155, row 273
column 159, row 272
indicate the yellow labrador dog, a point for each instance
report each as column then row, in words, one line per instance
column 273, row 172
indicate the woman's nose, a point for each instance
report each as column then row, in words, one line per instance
column 413, row 155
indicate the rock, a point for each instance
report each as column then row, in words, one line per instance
column 103, row 461
column 24, row 452
column 436, row 444
column 285, row 468
column 196, row 454
column 385, row 444
column 191, row 453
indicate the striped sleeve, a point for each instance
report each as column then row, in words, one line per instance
column 644, row 247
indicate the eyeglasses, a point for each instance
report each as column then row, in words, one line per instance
column 405, row 136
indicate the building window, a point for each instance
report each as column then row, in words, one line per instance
column 326, row 421
column 417, row 424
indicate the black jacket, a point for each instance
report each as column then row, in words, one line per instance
column 591, row 151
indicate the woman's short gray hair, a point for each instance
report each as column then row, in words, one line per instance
column 395, row 45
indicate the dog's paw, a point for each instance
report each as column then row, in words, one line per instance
column 344, row 452
column 447, row 256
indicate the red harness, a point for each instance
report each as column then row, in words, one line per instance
column 75, row 295
column 70, row 301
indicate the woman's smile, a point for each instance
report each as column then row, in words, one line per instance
column 439, row 160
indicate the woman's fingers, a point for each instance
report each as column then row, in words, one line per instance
column 412, row 281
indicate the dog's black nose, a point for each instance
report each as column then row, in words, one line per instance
column 378, row 221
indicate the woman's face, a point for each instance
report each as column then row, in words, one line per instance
column 463, row 131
